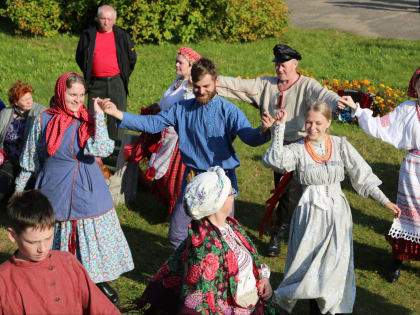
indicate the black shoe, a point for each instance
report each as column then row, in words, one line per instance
column 109, row 292
column 281, row 233
column 393, row 275
column 274, row 246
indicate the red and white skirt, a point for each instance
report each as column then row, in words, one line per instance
column 404, row 235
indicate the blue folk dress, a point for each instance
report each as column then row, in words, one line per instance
column 74, row 184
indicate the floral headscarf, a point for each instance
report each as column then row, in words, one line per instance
column 206, row 193
column 190, row 54
column 63, row 118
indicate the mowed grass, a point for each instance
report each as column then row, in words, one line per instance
column 326, row 54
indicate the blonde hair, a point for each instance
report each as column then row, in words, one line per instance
column 320, row 107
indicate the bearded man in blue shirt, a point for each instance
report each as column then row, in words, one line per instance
column 206, row 125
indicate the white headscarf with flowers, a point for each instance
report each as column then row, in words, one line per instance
column 206, row 193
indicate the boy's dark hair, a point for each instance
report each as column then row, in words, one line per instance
column 30, row 209
column 201, row 68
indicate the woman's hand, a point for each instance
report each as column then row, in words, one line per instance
column 394, row 208
column 281, row 117
column 96, row 102
column 265, row 289
column 346, row 101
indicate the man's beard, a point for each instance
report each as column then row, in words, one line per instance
column 205, row 99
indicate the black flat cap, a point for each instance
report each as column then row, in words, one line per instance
column 284, row 53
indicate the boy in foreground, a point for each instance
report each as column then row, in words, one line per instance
column 36, row 279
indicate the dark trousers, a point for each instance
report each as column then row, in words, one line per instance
column 288, row 201
column 113, row 88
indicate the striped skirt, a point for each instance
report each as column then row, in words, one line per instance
column 404, row 235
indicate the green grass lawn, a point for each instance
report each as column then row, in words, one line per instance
column 326, row 54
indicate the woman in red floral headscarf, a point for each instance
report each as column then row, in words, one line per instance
column 165, row 172
column 62, row 146
column 216, row 270
column 401, row 128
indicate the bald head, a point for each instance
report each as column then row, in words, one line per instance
column 106, row 18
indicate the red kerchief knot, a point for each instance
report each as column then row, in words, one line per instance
column 189, row 53
column 63, row 118
column 411, row 91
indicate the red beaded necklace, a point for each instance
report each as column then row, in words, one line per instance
column 316, row 157
column 418, row 110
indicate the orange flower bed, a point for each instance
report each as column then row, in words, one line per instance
column 385, row 97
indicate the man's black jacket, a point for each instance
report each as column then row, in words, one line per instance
column 126, row 54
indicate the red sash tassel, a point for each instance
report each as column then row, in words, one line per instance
column 272, row 202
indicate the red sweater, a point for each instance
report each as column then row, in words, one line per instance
column 57, row 285
column 105, row 62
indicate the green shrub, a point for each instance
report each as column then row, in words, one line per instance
column 155, row 21
column 38, row 17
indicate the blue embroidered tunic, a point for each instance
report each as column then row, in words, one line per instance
column 206, row 132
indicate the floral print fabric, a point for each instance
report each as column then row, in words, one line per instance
column 203, row 272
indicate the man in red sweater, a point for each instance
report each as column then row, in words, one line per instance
column 38, row 280
column 107, row 57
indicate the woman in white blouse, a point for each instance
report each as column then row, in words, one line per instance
column 319, row 263
column 165, row 167
column 401, row 128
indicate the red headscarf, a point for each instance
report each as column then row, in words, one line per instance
column 63, row 118
column 411, row 91
column 189, row 53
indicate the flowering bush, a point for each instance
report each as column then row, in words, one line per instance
column 385, row 97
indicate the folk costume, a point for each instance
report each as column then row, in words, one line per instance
column 216, row 270
column 13, row 135
column 62, row 145
column 166, row 170
column 56, row 285
column 401, row 128
column 266, row 95
column 205, row 133
column 319, row 262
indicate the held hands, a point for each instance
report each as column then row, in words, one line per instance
column 96, row 107
column 265, row 289
column 281, row 117
column 267, row 121
column 394, row 208
column 109, row 108
column 346, row 101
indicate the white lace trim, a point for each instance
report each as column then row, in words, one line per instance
column 409, row 233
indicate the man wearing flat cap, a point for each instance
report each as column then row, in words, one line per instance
column 293, row 92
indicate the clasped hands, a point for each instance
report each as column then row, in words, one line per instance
column 106, row 106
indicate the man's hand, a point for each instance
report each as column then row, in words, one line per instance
column 346, row 101
column 110, row 108
column 266, row 121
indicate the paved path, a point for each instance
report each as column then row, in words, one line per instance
column 373, row 18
